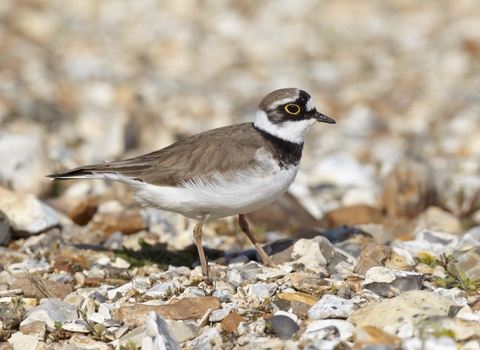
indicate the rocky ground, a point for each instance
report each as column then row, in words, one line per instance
column 377, row 242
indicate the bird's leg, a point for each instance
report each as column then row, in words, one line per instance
column 244, row 227
column 197, row 237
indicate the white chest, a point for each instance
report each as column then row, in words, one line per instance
column 224, row 196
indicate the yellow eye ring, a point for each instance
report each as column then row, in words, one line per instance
column 292, row 108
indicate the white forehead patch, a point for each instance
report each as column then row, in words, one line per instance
column 310, row 106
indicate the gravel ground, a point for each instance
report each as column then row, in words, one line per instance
column 377, row 241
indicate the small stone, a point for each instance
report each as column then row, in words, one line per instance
column 300, row 297
column 96, row 318
column 210, row 336
column 99, row 298
column 262, row 290
column 106, row 310
column 286, row 214
column 223, row 295
column 389, row 282
column 281, row 304
column 63, row 278
column 26, row 214
column 437, row 219
column 135, row 336
column 84, row 342
column 312, row 255
column 300, row 309
column 331, row 306
column 125, row 288
column 231, row 321
column 280, row 250
column 183, row 330
column 50, row 312
column 128, row 222
column 369, row 336
column 24, row 162
column 23, row 341
column 77, row 326
column 186, row 308
column 371, row 257
column 354, row 215
column 238, row 276
column 430, row 343
column 282, row 326
column 437, row 237
column 121, row 331
column 284, row 313
column 309, row 283
column 410, row 307
column 38, row 329
column 59, row 290
column 28, row 266
column 329, row 329
column 468, row 262
column 160, row 290
column 84, row 211
column 157, row 335
column 457, row 295
column 218, row 315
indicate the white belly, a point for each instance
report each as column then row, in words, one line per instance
column 223, row 197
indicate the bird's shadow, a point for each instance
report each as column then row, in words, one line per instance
column 160, row 254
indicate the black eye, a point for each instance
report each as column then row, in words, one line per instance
column 292, row 108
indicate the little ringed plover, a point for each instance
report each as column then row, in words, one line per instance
column 227, row 171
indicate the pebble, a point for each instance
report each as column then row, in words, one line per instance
column 430, row 343
column 409, row 307
column 183, row 330
column 389, row 282
column 77, row 326
column 282, row 326
column 157, row 334
column 23, row 341
column 160, row 290
column 368, row 336
column 437, row 219
column 312, row 255
column 186, row 308
column 24, row 163
column 331, row 306
column 218, row 315
column 262, row 290
column 354, row 215
column 84, row 342
column 326, row 328
column 238, row 276
column 38, row 329
column 123, row 290
column 26, row 214
column 231, row 321
column 50, row 312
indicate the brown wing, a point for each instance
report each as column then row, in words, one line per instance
column 223, row 150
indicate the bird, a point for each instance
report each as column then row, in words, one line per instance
column 227, row 171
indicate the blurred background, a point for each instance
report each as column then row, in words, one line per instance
column 82, row 81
